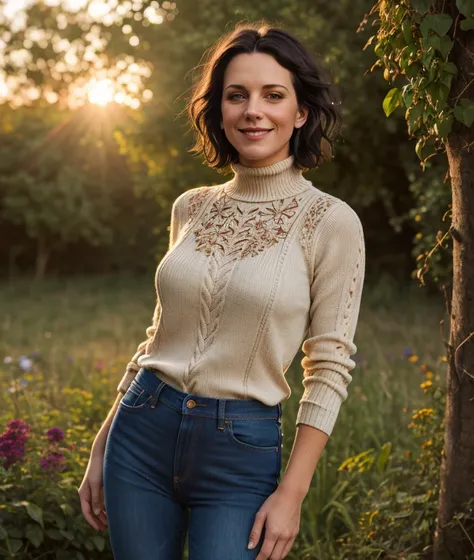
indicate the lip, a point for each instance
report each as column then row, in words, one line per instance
column 253, row 137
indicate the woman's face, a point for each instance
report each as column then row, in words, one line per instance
column 258, row 93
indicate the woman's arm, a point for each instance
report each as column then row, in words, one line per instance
column 308, row 446
column 98, row 446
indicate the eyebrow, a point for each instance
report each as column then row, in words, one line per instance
column 266, row 86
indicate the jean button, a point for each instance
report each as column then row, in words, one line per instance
column 191, row 403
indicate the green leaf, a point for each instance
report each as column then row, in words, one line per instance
column 67, row 509
column 466, row 7
column 3, row 533
column 421, row 5
column 99, row 542
column 419, row 152
column 464, row 111
column 54, row 534
column 69, row 535
column 440, row 23
column 14, row 545
column 34, row 534
column 384, row 455
column 407, row 31
column 35, row 512
column 467, row 24
column 392, row 100
column 444, row 127
column 447, row 70
column 15, row 532
column 441, row 44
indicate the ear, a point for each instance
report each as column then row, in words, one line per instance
column 301, row 117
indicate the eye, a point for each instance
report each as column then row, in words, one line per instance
column 278, row 96
column 233, row 95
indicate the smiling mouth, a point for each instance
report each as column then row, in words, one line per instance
column 255, row 134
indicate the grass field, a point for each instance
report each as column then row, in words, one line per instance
column 79, row 330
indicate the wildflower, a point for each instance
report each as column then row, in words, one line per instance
column 426, row 385
column 429, row 375
column 426, row 444
column 12, row 442
column 53, row 462
column 423, row 413
column 407, row 352
column 444, row 358
column 99, row 365
column 25, row 363
column 7, row 360
column 55, row 434
column 413, row 359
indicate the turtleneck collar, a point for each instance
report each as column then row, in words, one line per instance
column 262, row 184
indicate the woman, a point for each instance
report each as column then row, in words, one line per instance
column 192, row 445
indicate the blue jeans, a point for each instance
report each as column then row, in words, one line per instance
column 179, row 464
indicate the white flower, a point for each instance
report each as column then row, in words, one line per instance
column 7, row 360
column 25, row 363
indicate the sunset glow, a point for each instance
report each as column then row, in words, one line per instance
column 101, row 92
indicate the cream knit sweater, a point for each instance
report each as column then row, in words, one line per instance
column 254, row 265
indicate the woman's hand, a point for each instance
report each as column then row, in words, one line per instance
column 280, row 513
column 91, row 492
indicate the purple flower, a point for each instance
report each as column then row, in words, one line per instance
column 53, row 462
column 407, row 352
column 12, row 442
column 55, row 434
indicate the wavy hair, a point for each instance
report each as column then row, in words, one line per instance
column 310, row 143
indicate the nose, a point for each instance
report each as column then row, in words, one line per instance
column 253, row 110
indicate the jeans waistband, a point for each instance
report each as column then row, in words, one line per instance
column 189, row 403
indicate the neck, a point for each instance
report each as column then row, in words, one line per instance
column 262, row 184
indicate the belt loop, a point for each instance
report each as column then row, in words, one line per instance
column 157, row 393
column 221, row 414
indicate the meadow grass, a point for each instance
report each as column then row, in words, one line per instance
column 85, row 328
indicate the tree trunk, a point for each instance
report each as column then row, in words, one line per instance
column 42, row 257
column 454, row 540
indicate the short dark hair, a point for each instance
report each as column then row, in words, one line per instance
column 313, row 90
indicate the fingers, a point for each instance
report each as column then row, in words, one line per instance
column 97, row 522
column 288, row 547
column 256, row 531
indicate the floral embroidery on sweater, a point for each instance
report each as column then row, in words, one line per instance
column 241, row 232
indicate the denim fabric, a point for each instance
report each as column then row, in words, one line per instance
column 178, row 464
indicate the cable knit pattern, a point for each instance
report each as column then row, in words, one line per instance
column 257, row 268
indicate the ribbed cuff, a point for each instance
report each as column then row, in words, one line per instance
column 316, row 416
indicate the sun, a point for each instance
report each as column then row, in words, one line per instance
column 101, row 92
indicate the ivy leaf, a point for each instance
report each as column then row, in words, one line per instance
column 467, row 24
column 464, row 111
column 99, row 542
column 440, row 23
column 421, row 5
column 14, row 545
column 444, row 127
column 441, row 44
column 392, row 100
column 466, row 7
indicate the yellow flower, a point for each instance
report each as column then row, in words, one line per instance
column 444, row 359
column 413, row 358
column 426, row 385
column 429, row 375
column 426, row 444
column 418, row 236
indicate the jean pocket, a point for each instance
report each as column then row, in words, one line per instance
column 136, row 396
column 254, row 435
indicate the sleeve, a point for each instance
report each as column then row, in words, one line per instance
column 179, row 215
column 336, row 289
